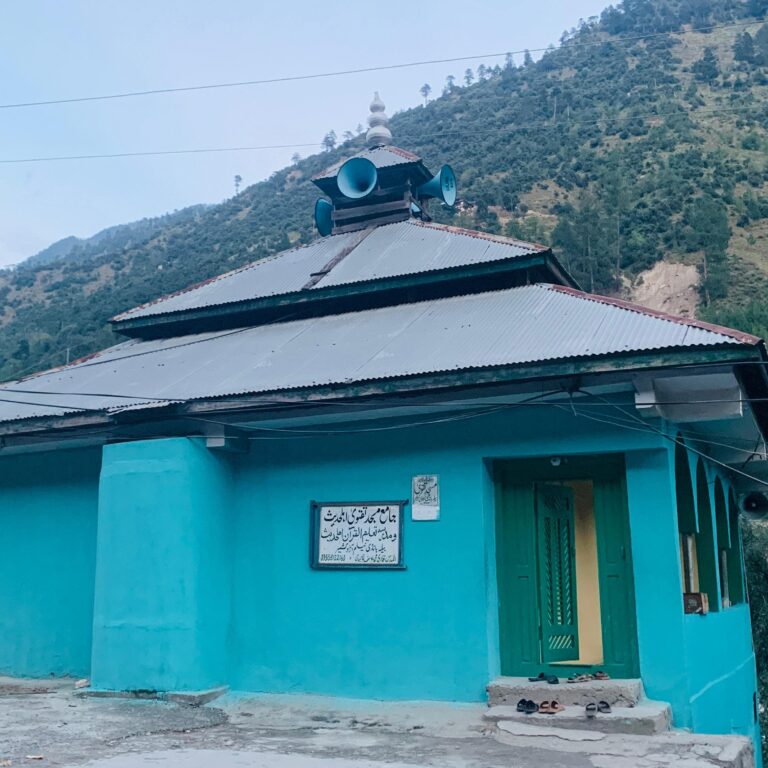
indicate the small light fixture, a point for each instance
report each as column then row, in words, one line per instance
column 555, row 461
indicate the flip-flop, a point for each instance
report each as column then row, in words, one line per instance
column 555, row 707
column 579, row 678
column 553, row 679
column 601, row 676
column 531, row 707
column 540, row 678
column 604, row 707
column 591, row 710
column 521, row 705
column 545, row 708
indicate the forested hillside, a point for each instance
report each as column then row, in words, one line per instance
column 642, row 136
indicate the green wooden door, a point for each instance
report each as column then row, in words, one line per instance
column 557, row 573
column 529, row 642
column 617, row 595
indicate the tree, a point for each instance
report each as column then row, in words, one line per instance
column 744, row 48
column 761, row 45
column 527, row 59
column 706, row 69
column 509, row 61
column 469, row 77
column 482, row 72
column 708, row 230
column 425, row 90
column 347, row 135
column 238, row 182
column 329, row 141
column 450, row 84
column 295, row 158
column 359, row 129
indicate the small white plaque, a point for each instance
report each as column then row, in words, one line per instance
column 426, row 497
column 364, row 535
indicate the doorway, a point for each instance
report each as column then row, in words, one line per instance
column 566, row 595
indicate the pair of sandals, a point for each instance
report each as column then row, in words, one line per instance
column 602, row 706
column 585, row 678
column 544, row 678
column 528, row 707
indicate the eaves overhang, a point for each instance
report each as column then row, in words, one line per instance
column 539, row 267
column 560, row 375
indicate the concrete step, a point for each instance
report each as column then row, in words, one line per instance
column 618, row 693
column 647, row 718
column 673, row 749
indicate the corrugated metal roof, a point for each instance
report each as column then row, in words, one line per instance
column 285, row 272
column 381, row 157
column 391, row 250
column 411, row 247
column 517, row 326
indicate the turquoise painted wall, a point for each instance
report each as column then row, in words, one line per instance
column 694, row 662
column 203, row 574
column 427, row 632
column 48, row 507
column 161, row 616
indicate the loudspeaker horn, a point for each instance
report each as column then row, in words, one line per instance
column 323, row 216
column 357, row 178
column 442, row 185
column 754, row 506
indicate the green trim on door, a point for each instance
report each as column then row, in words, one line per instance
column 556, row 546
column 523, row 568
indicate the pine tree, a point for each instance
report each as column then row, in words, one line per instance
column 706, row 69
column 744, row 48
column 761, row 46
column 329, row 141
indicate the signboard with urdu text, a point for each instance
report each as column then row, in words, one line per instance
column 357, row 534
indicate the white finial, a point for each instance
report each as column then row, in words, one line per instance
column 378, row 134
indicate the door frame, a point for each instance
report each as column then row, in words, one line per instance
column 517, row 563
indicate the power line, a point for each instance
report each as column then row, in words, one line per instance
column 196, row 151
column 360, row 70
column 542, row 125
column 675, row 440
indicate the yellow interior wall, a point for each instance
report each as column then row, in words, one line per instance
column 587, row 584
column 694, row 562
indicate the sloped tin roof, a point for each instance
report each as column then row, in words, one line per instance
column 513, row 327
column 391, row 250
column 381, row 157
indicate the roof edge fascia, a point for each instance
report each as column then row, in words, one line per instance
column 618, row 366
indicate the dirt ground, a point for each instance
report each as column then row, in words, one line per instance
column 48, row 724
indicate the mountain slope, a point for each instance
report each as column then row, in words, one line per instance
column 618, row 152
column 112, row 239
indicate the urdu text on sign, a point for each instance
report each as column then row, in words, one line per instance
column 367, row 535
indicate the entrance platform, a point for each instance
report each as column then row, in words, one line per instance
column 281, row 731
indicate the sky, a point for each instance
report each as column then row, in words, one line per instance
column 51, row 49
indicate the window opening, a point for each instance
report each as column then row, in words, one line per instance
column 705, row 540
column 738, row 592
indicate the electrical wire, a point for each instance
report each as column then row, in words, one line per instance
column 677, row 441
column 362, row 70
column 531, row 126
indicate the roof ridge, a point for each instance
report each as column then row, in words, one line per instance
column 501, row 239
column 741, row 336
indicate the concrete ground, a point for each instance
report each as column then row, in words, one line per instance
column 45, row 723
